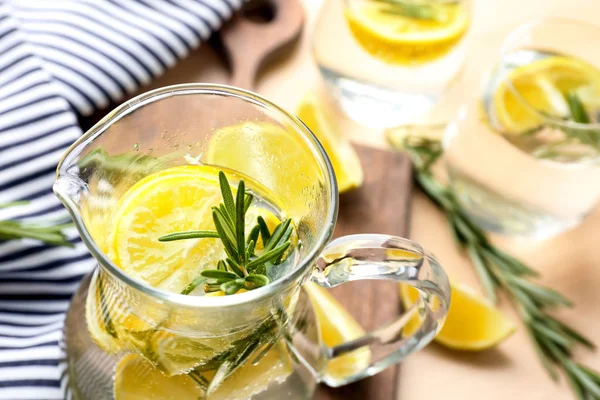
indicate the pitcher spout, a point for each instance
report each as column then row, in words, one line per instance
column 69, row 189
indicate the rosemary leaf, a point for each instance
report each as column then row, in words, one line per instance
column 216, row 274
column 226, row 193
column 253, row 235
column 250, row 250
column 503, row 258
column 482, row 270
column 106, row 319
column 572, row 333
column 592, row 374
column 576, row 108
column 555, row 336
column 269, row 255
column 223, row 229
column 240, row 225
column 576, row 386
column 14, row 204
column 193, row 285
column 547, row 362
column 212, row 287
column 546, row 296
column 235, row 267
column 188, row 235
column 199, row 379
column 258, row 280
column 231, row 287
column 247, row 202
column 584, row 380
column 264, row 230
column 277, row 234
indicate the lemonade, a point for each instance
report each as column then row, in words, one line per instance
column 388, row 61
column 523, row 158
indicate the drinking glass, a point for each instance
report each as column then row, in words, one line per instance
column 523, row 157
column 388, row 62
column 175, row 126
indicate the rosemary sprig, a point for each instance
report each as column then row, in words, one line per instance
column 242, row 268
column 553, row 340
column 411, row 9
column 573, row 136
column 44, row 231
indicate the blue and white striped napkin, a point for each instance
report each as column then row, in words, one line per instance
column 60, row 58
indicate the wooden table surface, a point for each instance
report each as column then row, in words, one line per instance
column 569, row 262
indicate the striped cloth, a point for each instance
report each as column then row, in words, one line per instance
column 60, row 58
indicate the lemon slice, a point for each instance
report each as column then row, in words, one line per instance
column 348, row 171
column 337, row 326
column 401, row 39
column 176, row 199
column 542, row 85
column 137, row 379
column 472, row 324
column 273, row 156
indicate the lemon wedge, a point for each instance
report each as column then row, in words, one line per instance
column 137, row 379
column 399, row 38
column 348, row 171
column 473, row 323
column 542, row 86
column 337, row 326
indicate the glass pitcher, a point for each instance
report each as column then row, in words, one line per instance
column 271, row 333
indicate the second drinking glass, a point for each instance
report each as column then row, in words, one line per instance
column 388, row 62
column 523, row 157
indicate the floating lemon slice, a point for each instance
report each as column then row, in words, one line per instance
column 472, row 324
column 348, row 171
column 407, row 34
column 176, row 199
column 337, row 326
column 272, row 155
column 542, row 85
column 137, row 379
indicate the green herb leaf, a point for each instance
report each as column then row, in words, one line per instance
column 269, row 255
column 231, row 287
column 193, row 285
column 188, row 235
column 576, row 108
column 226, row 193
column 253, row 235
column 257, row 280
column 240, row 225
column 216, row 274
column 264, row 230
column 278, row 234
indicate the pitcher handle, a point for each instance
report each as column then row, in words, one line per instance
column 358, row 257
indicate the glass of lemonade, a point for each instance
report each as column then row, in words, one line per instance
column 523, row 158
column 388, row 62
column 218, row 316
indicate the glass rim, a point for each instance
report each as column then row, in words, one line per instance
column 507, row 49
column 152, row 96
column 424, row 2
